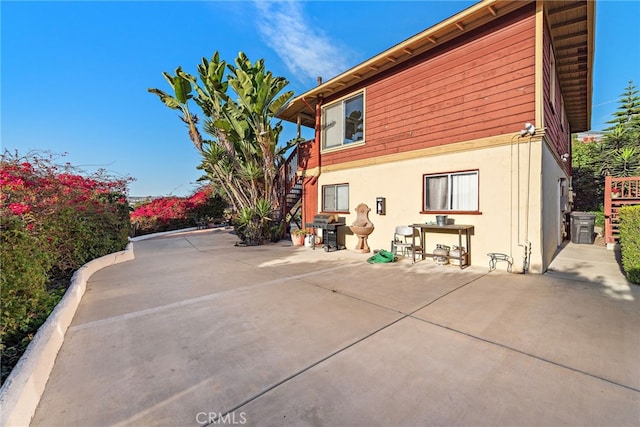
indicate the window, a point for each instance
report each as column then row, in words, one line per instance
column 335, row 198
column 451, row 192
column 343, row 122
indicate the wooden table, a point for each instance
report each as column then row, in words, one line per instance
column 450, row 229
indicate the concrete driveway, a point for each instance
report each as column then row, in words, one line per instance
column 196, row 331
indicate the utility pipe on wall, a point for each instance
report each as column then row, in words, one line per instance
column 530, row 130
column 527, row 249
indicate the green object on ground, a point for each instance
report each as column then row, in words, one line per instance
column 630, row 242
column 382, row 257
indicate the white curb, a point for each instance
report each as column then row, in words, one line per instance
column 21, row 392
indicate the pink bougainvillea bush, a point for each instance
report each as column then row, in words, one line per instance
column 54, row 220
column 173, row 213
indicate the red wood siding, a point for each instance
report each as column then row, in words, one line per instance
column 480, row 85
column 557, row 133
column 309, row 200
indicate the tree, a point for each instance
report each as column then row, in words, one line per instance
column 242, row 157
column 620, row 154
column 628, row 113
column 587, row 179
column 617, row 154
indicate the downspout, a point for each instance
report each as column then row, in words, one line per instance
column 521, row 244
column 317, row 141
column 517, row 135
column 319, row 131
column 311, row 180
column 527, row 243
column 319, row 102
column 539, row 119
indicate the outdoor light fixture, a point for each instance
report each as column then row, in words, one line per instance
column 381, row 205
column 528, row 129
column 564, row 157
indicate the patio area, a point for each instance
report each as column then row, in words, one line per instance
column 197, row 331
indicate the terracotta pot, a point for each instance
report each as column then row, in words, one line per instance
column 297, row 239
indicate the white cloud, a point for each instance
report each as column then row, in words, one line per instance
column 306, row 51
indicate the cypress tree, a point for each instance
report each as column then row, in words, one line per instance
column 620, row 155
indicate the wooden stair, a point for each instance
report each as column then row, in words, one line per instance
column 292, row 184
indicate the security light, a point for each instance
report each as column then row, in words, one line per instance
column 528, row 129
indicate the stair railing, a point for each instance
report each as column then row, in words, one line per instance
column 289, row 170
column 288, row 178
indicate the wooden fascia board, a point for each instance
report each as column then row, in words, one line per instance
column 591, row 25
column 479, row 14
column 539, row 65
column 573, row 35
column 574, row 59
column 472, row 17
column 566, row 8
column 567, row 23
column 573, row 46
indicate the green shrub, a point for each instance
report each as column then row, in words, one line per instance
column 54, row 220
column 587, row 182
column 76, row 237
column 23, row 289
column 259, row 225
column 599, row 222
column 174, row 213
column 212, row 208
column 630, row 241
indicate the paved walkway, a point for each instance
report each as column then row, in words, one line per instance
column 196, row 331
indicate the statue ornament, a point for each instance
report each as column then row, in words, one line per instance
column 362, row 227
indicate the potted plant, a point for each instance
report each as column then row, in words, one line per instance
column 298, row 235
column 615, row 192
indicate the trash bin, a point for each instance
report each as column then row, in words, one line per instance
column 582, row 227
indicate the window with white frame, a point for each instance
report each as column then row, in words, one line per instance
column 335, row 198
column 343, row 122
column 455, row 191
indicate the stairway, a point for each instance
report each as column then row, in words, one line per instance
column 292, row 184
column 293, row 201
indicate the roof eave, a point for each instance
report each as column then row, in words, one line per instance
column 572, row 25
column 476, row 15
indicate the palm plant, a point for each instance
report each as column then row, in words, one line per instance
column 182, row 90
column 619, row 156
column 242, row 157
column 622, row 162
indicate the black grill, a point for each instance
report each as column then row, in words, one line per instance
column 329, row 224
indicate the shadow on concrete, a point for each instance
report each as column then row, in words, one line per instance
column 593, row 264
column 283, row 335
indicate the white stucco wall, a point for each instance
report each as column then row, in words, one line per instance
column 552, row 215
column 510, row 215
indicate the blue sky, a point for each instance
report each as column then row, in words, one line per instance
column 74, row 75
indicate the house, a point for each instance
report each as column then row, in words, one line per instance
column 590, row 136
column 471, row 118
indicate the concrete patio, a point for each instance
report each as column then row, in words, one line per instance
column 197, row 331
